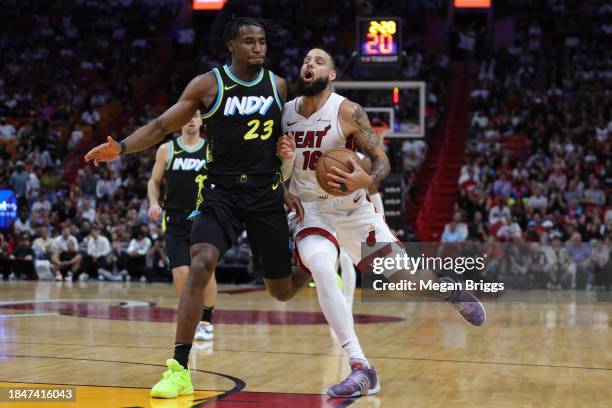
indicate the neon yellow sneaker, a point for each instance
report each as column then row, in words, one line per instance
column 312, row 283
column 175, row 381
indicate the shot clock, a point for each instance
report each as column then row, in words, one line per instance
column 379, row 40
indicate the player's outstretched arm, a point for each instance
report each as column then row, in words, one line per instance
column 154, row 132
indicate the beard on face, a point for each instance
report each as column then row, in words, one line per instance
column 313, row 88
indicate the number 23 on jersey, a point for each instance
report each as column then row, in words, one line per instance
column 266, row 130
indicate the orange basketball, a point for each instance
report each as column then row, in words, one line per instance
column 338, row 157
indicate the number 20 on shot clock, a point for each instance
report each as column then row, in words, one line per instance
column 379, row 40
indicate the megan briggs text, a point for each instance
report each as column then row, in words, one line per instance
column 406, row 285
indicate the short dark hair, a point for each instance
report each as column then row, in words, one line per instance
column 331, row 56
column 232, row 28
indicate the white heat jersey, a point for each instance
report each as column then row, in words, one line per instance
column 313, row 137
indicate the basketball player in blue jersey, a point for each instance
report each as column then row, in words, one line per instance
column 315, row 122
column 243, row 110
column 182, row 161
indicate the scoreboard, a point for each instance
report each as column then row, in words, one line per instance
column 379, row 40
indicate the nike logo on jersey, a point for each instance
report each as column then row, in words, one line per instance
column 227, row 88
column 292, row 123
column 356, row 199
column 177, row 152
column 247, row 105
column 189, row 164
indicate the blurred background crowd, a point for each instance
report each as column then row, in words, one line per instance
column 536, row 168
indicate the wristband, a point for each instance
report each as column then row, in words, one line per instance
column 121, row 148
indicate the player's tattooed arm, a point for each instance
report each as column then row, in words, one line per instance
column 366, row 139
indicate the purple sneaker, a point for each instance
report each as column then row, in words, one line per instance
column 469, row 307
column 362, row 380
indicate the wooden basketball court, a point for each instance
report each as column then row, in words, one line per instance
column 111, row 342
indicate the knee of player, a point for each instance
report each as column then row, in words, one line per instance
column 204, row 258
column 202, row 264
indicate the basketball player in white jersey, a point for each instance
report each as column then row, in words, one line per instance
column 317, row 121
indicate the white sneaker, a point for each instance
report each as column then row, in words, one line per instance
column 204, row 332
column 84, row 277
column 68, row 277
column 58, row 276
column 143, row 279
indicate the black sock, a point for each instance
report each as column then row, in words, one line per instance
column 181, row 353
column 207, row 313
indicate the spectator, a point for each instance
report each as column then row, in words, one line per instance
column 69, row 262
column 538, row 201
column 7, row 130
column 509, row 231
column 499, row 213
column 502, row 187
column 43, row 245
column 455, row 231
column 22, row 259
column 98, row 247
column 22, row 223
column 61, row 241
column 75, row 137
column 105, row 187
column 601, row 256
column 558, row 178
column 477, row 229
column 19, row 181
column 594, row 195
column 91, row 117
column 33, row 185
column 117, row 264
column 532, row 234
column 5, row 262
column 86, row 212
column 137, row 250
column 582, row 256
column 157, row 261
column 42, row 204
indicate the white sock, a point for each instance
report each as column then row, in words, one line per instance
column 349, row 280
column 319, row 255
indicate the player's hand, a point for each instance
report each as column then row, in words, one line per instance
column 294, row 204
column 353, row 181
column 285, row 146
column 154, row 212
column 105, row 152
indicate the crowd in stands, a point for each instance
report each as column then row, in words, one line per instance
column 539, row 164
column 538, row 152
column 76, row 71
column 67, row 70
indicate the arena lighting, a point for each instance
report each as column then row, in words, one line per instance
column 472, row 3
column 208, row 4
column 396, row 96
